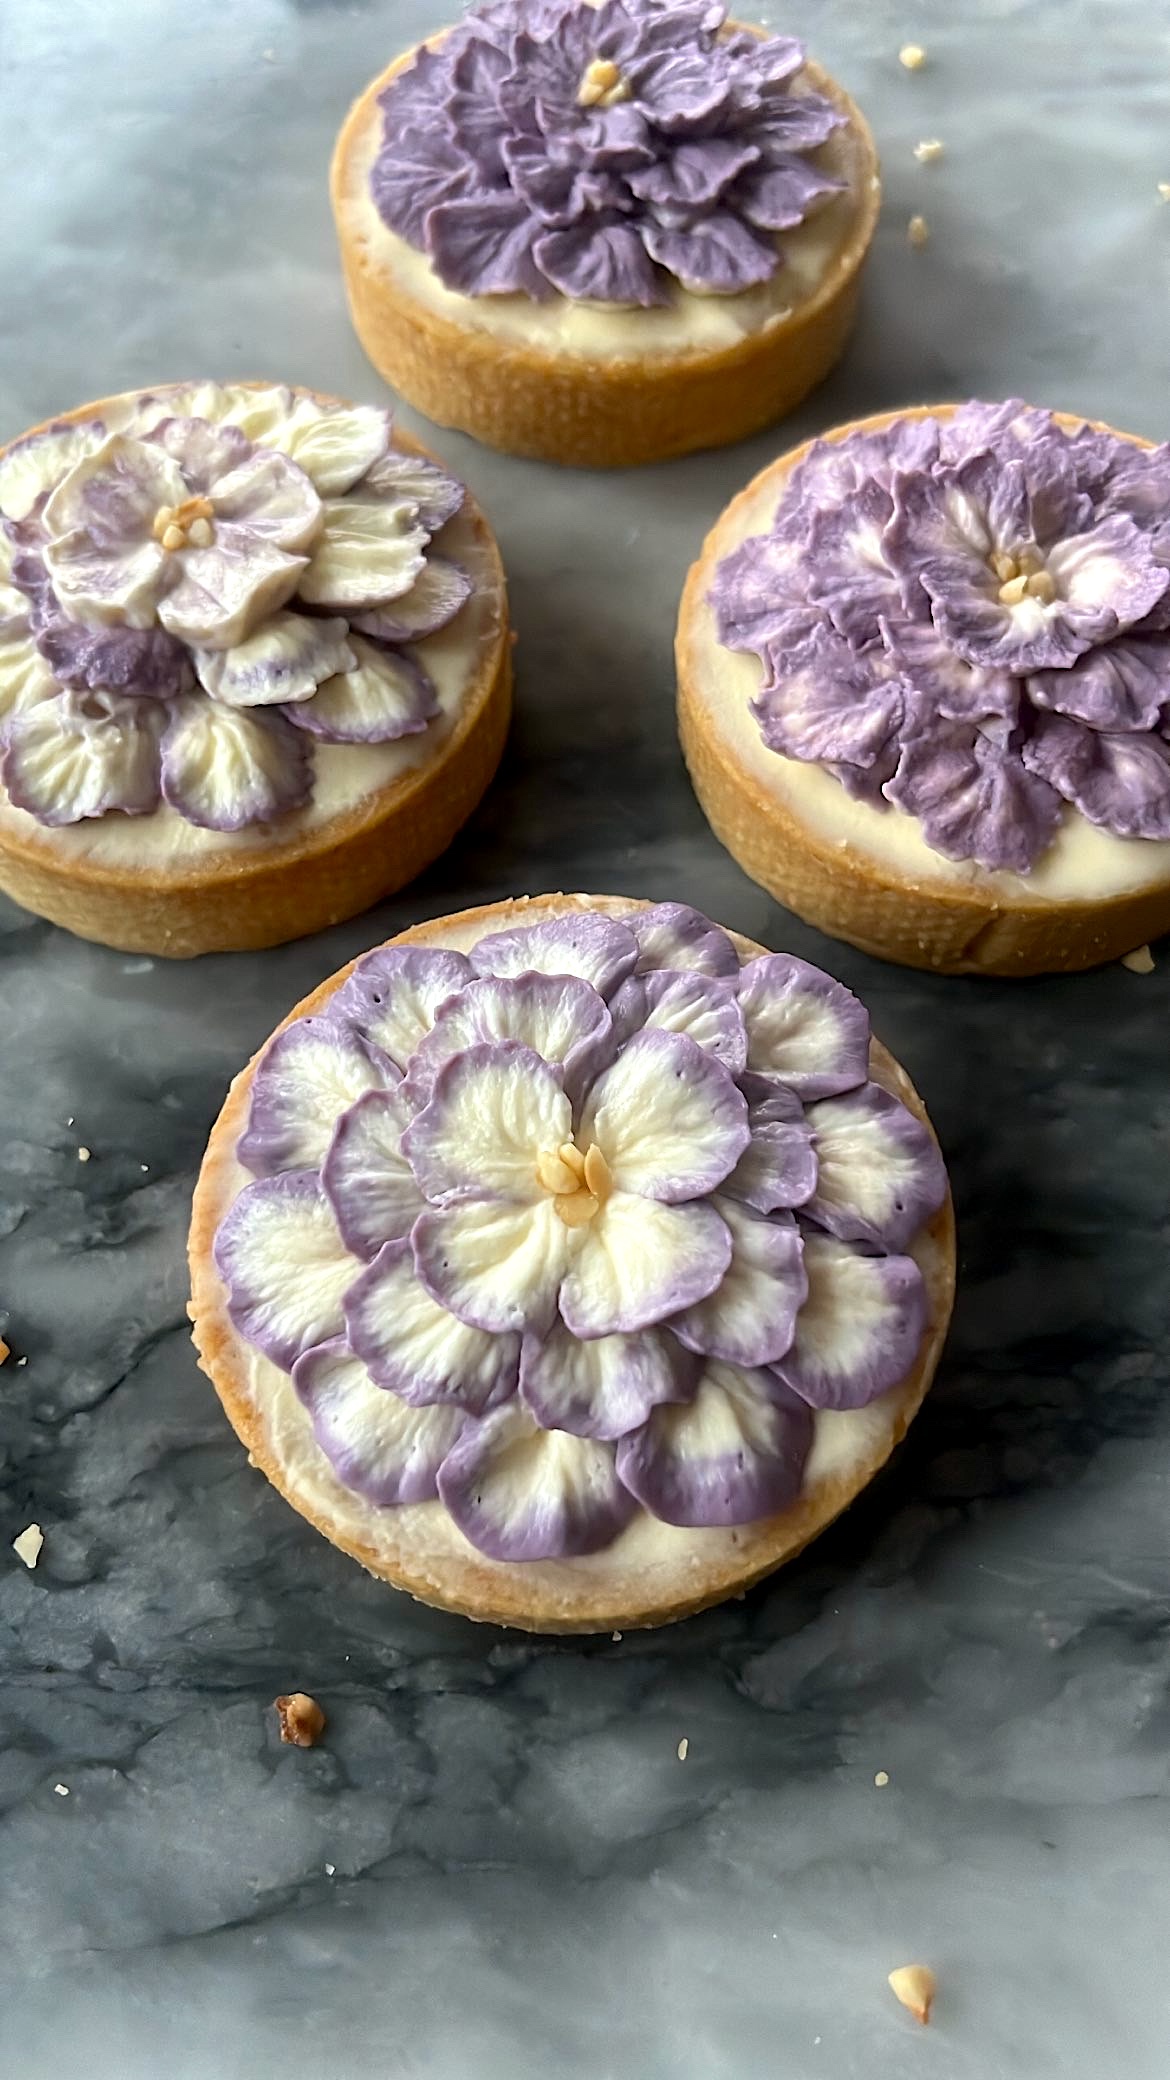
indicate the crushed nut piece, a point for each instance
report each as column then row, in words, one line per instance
column 683, row 1748
column 28, row 1546
column 302, row 1722
column 84, row 1154
column 615, row 1635
column 330, row 1868
column 1139, row 962
column 22, row 1361
column 882, row 1779
column 912, row 57
column 914, row 1985
column 602, row 85
column 5, row 1352
column 930, row 149
column 62, row 1790
column 918, row 231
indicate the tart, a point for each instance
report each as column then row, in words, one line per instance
column 254, row 665
column 604, row 234
column 572, row 1262
column 924, row 687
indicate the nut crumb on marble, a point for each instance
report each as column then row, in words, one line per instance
column 615, row 1635
column 683, row 1748
column 28, row 1546
column 330, row 1869
column 914, row 1985
column 928, row 149
column 84, row 1154
column 882, row 1779
column 912, row 57
column 918, row 231
column 62, row 1790
column 1139, row 962
column 302, row 1722
column 22, row 1361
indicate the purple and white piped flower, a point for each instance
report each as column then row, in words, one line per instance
column 590, row 1220
column 194, row 595
column 602, row 152
column 970, row 618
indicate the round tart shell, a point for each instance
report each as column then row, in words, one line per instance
column 595, row 411
column 602, row 1592
column 956, row 929
column 281, row 888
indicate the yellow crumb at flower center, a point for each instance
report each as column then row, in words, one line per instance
column 579, row 1182
column 185, row 526
column 602, row 85
column 1022, row 576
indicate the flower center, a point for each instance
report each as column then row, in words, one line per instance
column 602, row 85
column 185, row 526
column 580, row 1183
column 1022, row 576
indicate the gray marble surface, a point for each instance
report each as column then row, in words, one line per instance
column 496, row 1866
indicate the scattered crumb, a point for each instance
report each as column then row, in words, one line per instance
column 269, row 57
column 615, row 1635
column 1139, row 962
column 84, row 1154
column 69, row 1121
column 928, row 150
column 1164, row 190
column 882, row 1779
column 22, row 1361
column 62, row 1790
column 914, row 1985
column 5, row 1351
column 912, row 57
column 144, row 1166
column 28, row 1546
column 302, row 1722
column 918, row 231
column 683, row 1748
column 330, row 1869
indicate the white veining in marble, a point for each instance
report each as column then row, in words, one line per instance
column 496, row 1866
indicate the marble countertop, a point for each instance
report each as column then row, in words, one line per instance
column 496, row 1865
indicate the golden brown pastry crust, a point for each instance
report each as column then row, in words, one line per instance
column 957, row 929
column 560, row 1596
column 599, row 412
column 283, row 888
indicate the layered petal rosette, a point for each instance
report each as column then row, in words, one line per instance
column 590, row 1220
column 607, row 153
column 201, row 586
column 970, row 618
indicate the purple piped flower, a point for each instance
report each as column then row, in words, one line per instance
column 601, row 153
column 968, row 618
column 542, row 1200
column 168, row 560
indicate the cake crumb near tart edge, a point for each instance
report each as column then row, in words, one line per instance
column 28, row 1546
column 302, row 1722
column 882, row 1779
column 84, row 1154
column 1139, row 962
column 912, row 57
column 683, row 1749
column 918, row 231
column 915, row 1986
column 928, row 150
